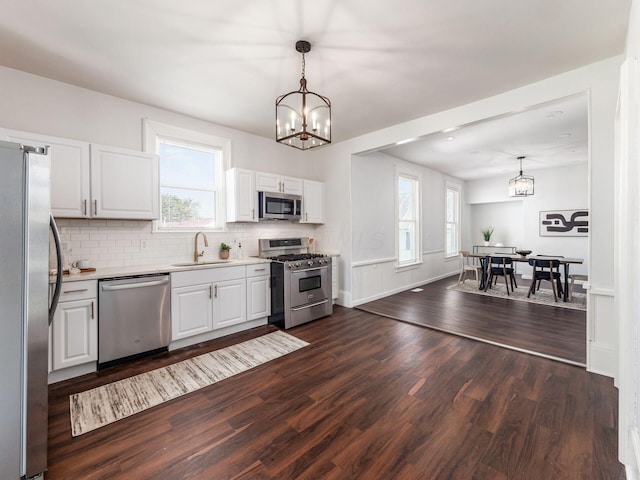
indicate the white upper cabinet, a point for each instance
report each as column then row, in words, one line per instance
column 313, row 202
column 269, row 182
column 96, row 181
column 70, row 179
column 124, row 183
column 241, row 196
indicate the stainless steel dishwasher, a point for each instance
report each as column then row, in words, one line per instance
column 134, row 317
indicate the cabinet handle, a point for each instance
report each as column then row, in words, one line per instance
column 215, row 294
column 306, row 216
column 281, row 186
column 95, row 207
column 253, row 213
column 91, row 310
column 259, row 269
column 76, row 291
column 210, row 291
column 84, row 210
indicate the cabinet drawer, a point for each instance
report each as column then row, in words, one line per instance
column 258, row 269
column 206, row 275
column 78, row 290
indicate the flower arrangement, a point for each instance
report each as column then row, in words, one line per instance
column 486, row 233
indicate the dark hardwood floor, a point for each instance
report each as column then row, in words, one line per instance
column 370, row 398
column 550, row 331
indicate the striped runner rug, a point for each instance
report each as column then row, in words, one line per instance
column 101, row 406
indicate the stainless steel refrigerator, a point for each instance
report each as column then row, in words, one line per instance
column 25, row 309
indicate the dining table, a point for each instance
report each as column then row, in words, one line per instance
column 564, row 261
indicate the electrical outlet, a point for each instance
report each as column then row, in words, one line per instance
column 143, row 244
column 64, row 246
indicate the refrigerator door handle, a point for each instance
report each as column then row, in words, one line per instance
column 56, row 292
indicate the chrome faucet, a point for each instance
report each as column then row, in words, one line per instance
column 197, row 255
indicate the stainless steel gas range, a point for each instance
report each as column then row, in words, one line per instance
column 300, row 281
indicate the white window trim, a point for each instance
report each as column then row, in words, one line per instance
column 151, row 130
column 456, row 187
column 414, row 174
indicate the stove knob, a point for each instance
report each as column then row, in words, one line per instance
column 297, row 264
column 310, row 262
column 290, row 265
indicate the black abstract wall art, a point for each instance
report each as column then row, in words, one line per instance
column 564, row 223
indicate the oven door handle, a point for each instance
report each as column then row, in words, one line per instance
column 304, row 307
column 310, row 269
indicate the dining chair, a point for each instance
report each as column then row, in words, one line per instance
column 559, row 283
column 572, row 278
column 548, row 270
column 468, row 265
column 500, row 266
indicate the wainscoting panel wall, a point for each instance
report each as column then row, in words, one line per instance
column 602, row 333
column 373, row 279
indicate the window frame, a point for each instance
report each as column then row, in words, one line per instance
column 416, row 178
column 452, row 187
column 154, row 131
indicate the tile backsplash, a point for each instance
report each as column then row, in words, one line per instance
column 119, row 243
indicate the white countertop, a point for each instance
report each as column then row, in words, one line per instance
column 150, row 269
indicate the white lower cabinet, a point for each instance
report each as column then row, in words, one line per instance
column 191, row 311
column 229, row 305
column 258, row 291
column 210, row 299
column 74, row 332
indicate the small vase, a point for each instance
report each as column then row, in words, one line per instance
column 224, row 254
column 487, row 243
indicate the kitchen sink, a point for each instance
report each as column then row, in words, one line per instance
column 197, row 264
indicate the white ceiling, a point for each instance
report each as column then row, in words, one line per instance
column 380, row 62
column 550, row 135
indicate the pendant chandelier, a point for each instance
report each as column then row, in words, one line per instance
column 522, row 185
column 303, row 118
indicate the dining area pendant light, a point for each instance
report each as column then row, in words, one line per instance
column 522, row 185
column 303, row 118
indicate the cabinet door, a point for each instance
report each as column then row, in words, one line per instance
column 313, row 202
column 191, row 310
column 70, row 180
column 258, row 297
column 267, row 182
column 291, row 185
column 75, row 334
column 124, row 184
column 230, row 303
column 241, row 196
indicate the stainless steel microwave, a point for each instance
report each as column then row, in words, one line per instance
column 279, row 206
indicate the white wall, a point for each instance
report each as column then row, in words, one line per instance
column 504, row 217
column 374, row 229
column 516, row 222
column 372, row 196
column 600, row 81
column 627, row 233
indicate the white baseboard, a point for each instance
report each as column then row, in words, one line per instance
column 402, row 288
column 72, row 372
column 204, row 337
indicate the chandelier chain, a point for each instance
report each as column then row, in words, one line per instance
column 302, row 64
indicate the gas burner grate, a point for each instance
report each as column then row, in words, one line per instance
column 292, row 257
